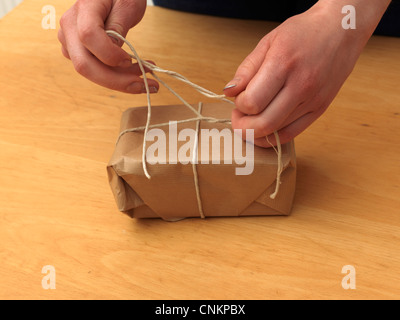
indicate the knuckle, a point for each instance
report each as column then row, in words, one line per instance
column 265, row 128
column 286, row 135
column 117, row 27
column 318, row 100
column 248, row 66
column 82, row 67
column 236, row 124
column 285, row 65
column 85, row 33
column 267, row 125
column 79, row 4
column 60, row 36
column 110, row 59
column 65, row 53
column 63, row 20
column 309, row 83
column 67, row 17
column 249, row 105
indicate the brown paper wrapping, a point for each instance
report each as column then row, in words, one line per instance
column 170, row 193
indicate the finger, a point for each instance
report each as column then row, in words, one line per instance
column 247, row 69
column 90, row 67
column 318, row 102
column 298, row 112
column 90, row 22
column 271, row 118
column 65, row 52
column 61, row 38
column 134, row 69
column 262, row 88
column 289, row 132
column 124, row 15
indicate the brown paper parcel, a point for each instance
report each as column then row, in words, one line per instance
column 170, row 194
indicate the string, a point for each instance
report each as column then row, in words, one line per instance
column 280, row 164
column 153, row 68
column 194, row 167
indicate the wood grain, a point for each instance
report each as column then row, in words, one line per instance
column 57, row 133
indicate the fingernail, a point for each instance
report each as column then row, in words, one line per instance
column 231, row 84
column 151, row 89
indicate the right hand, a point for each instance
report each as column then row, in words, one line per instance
column 94, row 54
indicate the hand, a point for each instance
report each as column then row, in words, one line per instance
column 293, row 75
column 94, row 54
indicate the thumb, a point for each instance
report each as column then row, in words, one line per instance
column 95, row 16
column 123, row 16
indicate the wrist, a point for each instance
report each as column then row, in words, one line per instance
column 367, row 14
column 363, row 17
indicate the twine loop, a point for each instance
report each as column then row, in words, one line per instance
column 153, row 68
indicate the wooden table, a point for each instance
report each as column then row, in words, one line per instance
column 57, row 133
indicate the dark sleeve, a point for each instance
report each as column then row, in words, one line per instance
column 390, row 22
column 250, row 9
column 272, row 10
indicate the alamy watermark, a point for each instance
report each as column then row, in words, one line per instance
column 49, row 280
column 49, row 20
column 232, row 147
column 349, row 281
column 349, row 20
